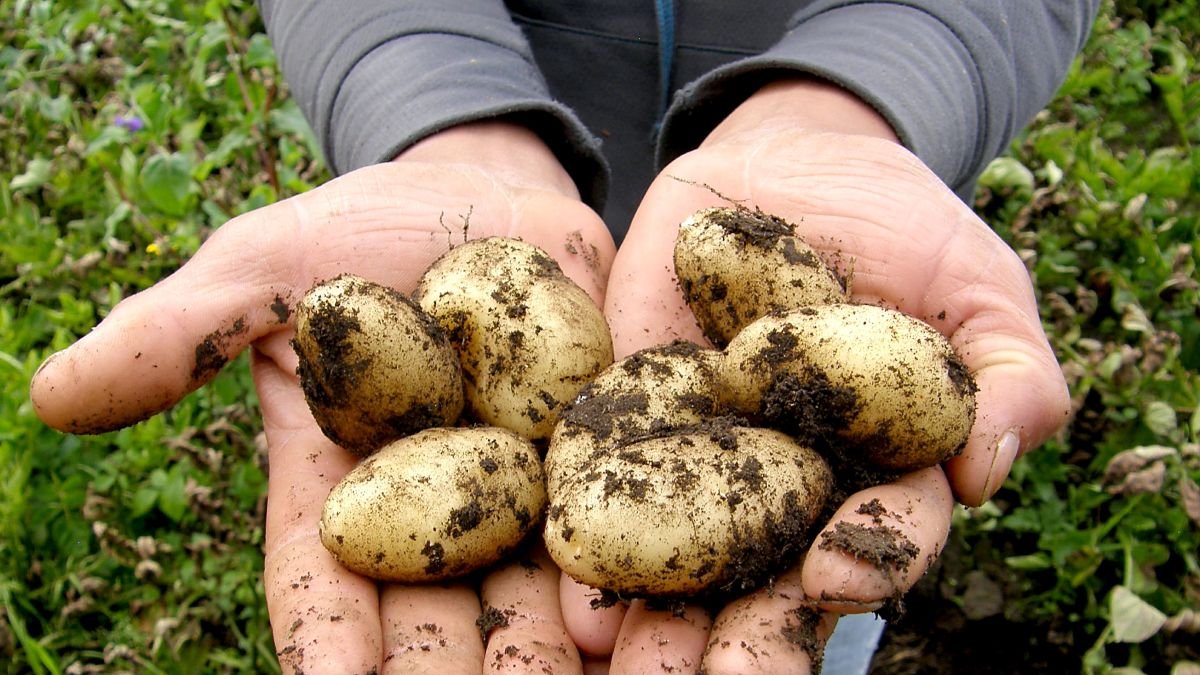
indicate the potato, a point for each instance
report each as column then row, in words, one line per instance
column 872, row 382
column 735, row 265
column 528, row 337
column 373, row 366
column 435, row 505
column 710, row 511
column 652, row 392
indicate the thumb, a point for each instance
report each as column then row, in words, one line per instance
column 158, row 345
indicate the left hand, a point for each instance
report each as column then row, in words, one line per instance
column 823, row 160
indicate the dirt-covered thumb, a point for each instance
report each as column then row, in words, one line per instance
column 158, row 345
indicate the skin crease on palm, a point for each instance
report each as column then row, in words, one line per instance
column 867, row 204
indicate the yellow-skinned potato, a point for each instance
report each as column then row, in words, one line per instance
column 435, row 505
column 373, row 366
column 735, row 265
column 864, row 380
column 652, row 391
column 528, row 337
column 713, row 510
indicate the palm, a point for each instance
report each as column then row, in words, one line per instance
column 904, row 240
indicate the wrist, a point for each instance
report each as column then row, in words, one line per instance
column 509, row 151
column 802, row 103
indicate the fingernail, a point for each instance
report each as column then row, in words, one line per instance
column 1006, row 453
column 45, row 363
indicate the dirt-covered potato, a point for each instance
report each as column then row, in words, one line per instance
column 529, row 338
column 735, row 264
column 859, row 379
column 435, row 505
column 373, row 366
column 654, row 493
column 651, row 392
column 713, row 510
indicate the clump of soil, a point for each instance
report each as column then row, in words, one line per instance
column 211, row 353
column 884, row 547
column 490, row 620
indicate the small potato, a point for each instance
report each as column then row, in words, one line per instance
column 712, row 511
column 373, row 366
column 735, row 265
column 435, row 505
column 528, row 337
column 647, row 393
column 859, row 380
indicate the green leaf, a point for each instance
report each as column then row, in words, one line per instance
column 37, row 173
column 172, row 498
column 288, row 118
column 143, row 500
column 1033, row 561
column 1160, row 418
column 1133, row 619
column 1007, row 173
column 56, row 109
column 167, row 182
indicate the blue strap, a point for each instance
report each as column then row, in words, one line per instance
column 664, row 11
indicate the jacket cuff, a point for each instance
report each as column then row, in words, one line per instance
column 903, row 62
column 379, row 110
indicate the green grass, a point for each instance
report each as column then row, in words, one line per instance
column 140, row 550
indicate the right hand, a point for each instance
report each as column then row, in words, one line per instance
column 386, row 223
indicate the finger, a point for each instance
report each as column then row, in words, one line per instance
column 653, row 641
column 1022, row 399
column 879, row 543
column 644, row 305
column 324, row 618
column 156, row 346
column 592, row 623
column 523, row 620
column 776, row 629
column 431, row 629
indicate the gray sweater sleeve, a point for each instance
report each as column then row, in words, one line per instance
column 957, row 79
column 374, row 76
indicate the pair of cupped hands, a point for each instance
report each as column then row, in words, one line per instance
column 803, row 150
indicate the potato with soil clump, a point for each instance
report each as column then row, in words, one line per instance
column 711, row 509
column 872, row 384
column 775, row 270
column 373, row 366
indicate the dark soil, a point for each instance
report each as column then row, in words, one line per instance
column 953, row 621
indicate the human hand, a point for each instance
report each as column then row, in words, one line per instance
column 821, row 159
column 386, row 223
